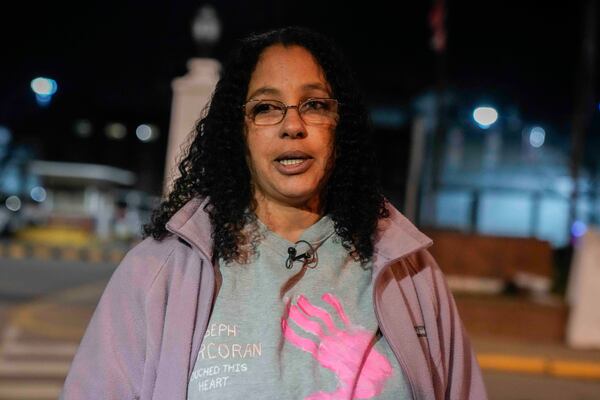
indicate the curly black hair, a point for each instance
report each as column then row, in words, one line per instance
column 215, row 166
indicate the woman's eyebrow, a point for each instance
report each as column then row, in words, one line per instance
column 316, row 85
column 264, row 90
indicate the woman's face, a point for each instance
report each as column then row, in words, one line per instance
column 289, row 161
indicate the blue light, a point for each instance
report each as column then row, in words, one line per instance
column 43, row 100
column 38, row 194
column 578, row 229
column 537, row 136
column 485, row 116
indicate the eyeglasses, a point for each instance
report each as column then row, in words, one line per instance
column 313, row 111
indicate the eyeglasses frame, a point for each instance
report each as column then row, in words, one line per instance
column 286, row 107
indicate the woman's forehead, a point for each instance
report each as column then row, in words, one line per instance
column 281, row 69
column 314, row 87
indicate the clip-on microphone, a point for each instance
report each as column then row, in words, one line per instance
column 308, row 256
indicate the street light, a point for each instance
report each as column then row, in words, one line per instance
column 537, row 136
column 13, row 203
column 206, row 29
column 146, row 132
column 115, row 131
column 44, row 89
column 485, row 116
column 38, row 194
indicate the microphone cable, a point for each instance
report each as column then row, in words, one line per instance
column 308, row 257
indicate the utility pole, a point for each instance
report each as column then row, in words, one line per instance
column 423, row 182
column 584, row 102
column 437, row 21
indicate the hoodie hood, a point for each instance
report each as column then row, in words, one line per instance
column 396, row 236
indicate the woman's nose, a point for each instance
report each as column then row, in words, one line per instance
column 292, row 125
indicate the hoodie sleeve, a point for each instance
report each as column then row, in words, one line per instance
column 462, row 372
column 109, row 362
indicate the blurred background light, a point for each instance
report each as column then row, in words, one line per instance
column 44, row 89
column 116, row 131
column 44, row 86
column 578, row 228
column 146, row 132
column 143, row 132
column 13, row 203
column 388, row 117
column 206, row 27
column 485, row 116
column 38, row 194
column 537, row 136
column 5, row 135
column 43, row 99
column 133, row 198
column 83, row 128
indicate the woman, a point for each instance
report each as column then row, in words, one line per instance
column 276, row 269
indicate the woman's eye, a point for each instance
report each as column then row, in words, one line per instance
column 315, row 105
column 262, row 108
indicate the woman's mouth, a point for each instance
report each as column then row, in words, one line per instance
column 292, row 165
column 292, row 161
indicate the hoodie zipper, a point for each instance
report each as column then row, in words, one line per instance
column 399, row 357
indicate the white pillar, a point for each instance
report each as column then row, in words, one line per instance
column 583, row 325
column 190, row 94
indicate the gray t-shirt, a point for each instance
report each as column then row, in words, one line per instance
column 308, row 332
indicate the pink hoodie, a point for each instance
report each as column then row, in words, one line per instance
column 145, row 334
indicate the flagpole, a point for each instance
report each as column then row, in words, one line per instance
column 437, row 18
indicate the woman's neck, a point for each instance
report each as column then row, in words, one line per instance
column 287, row 221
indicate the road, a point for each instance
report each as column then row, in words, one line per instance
column 29, row 277
column 511, row 386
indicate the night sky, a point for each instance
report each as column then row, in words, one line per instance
column 114, row 61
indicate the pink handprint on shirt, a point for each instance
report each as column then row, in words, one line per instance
column 361, row 370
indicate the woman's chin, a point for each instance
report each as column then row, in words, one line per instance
column 294, row 193
column 298, row 198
